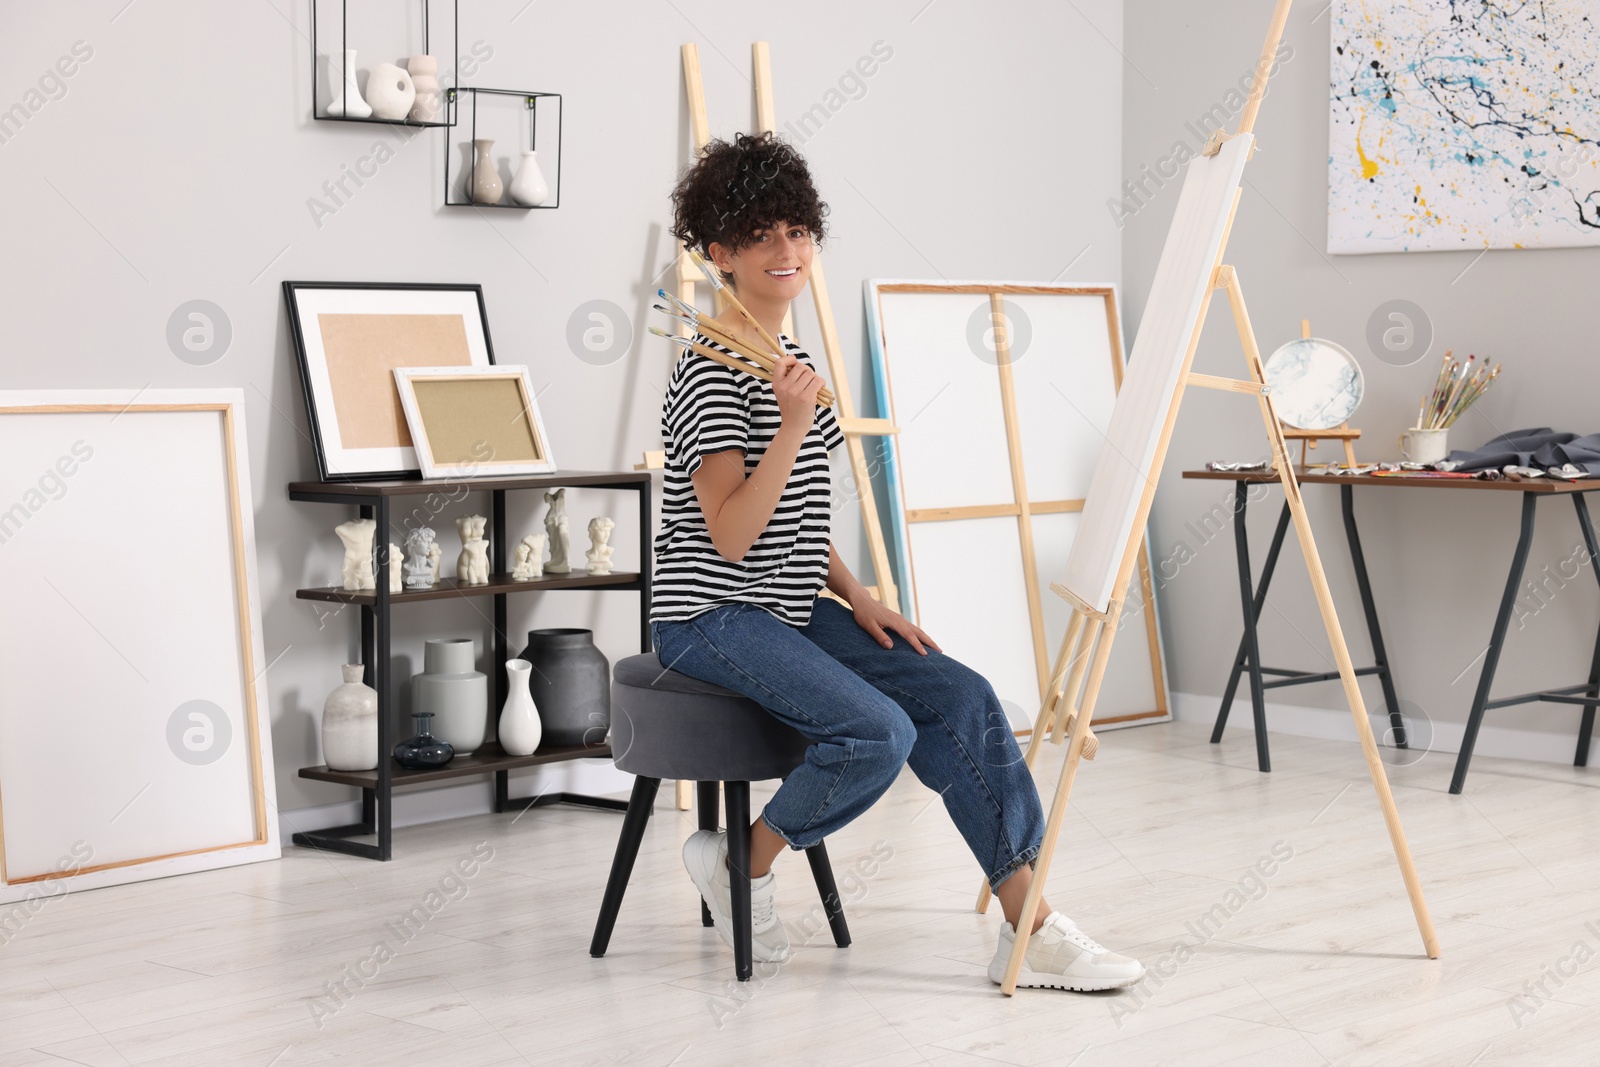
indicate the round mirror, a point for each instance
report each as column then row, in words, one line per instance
column 1316, row 384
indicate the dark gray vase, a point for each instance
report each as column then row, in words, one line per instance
column 571, row 685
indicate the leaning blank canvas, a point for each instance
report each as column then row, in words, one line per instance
column 959, row 536
column 134, row 735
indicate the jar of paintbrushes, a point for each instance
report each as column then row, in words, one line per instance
column 1457, row 387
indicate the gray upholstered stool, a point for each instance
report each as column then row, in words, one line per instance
column 670, row 725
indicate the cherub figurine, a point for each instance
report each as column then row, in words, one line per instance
column 530, row 558
column 472, row 566
column 357, row 535
column 599, row 555
column 420, row 553
column 555, row 528
column 434, row 553
column 394, row 568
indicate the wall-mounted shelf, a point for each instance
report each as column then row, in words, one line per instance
column 319, row 106
column 531, row 101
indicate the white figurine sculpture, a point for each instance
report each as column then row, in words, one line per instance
column 477, row 563
column 555, row 528
column 434, row 553
column 420, row 554
column 357, row 535
column 530, row 558
column 599, row 555
column 394, row 568
column 472, row 566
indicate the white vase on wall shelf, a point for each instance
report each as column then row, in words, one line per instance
column 347, row 103
column 425, row 80
column 390, row 92
column 528, row 187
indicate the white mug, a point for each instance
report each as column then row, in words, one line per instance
column 1423, row 446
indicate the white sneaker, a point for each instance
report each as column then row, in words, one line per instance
column 1060, row 956
column 704, row 856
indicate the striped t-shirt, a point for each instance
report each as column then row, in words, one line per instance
column 711, row 408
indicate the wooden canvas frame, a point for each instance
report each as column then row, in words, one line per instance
column 122, row 426
column 426, row 427
column 1030, row 512
column 383, row 449
column 1190, row 272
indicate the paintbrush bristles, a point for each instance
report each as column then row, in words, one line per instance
column 1456, row 388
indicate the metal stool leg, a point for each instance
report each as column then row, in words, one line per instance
column 706, row 801
column 822, row 872
column 633, row 824
column 736, row 795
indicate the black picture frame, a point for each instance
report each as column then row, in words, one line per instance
column 293, row 292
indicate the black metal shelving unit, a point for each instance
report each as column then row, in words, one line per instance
column 344, row 45
column 377, row 786
column 531, row 102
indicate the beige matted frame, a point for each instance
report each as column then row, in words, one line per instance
column 263, row 844
column 1021, row 506
column 527, row 411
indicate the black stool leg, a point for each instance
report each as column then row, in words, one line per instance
column 737, row 797
column 706, row 801
column 822, row 872
column 633, row 824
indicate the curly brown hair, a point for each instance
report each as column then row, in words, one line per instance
column 736, row 189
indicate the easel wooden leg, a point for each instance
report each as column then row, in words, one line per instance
column 1042, row 722
column 1058, row 806
column 1330, row 621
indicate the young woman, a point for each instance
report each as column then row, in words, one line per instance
column 742, row 555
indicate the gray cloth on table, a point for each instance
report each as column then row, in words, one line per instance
column 1541, row 448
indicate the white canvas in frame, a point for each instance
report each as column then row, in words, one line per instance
column 950, row 468
column 134, row 732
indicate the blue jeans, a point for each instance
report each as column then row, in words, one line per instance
column 868, row 710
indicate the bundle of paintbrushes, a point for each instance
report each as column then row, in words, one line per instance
column 1455, row 390
column 690, row 316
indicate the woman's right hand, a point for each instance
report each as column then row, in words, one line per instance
column 796, row 387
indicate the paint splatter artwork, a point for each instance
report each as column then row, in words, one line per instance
column 1463, row 125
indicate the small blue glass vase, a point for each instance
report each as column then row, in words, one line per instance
column 423, row 752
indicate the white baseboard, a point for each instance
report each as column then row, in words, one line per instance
column 1335, row 725
column 472, row 796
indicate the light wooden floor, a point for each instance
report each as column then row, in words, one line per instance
column 1324, row 966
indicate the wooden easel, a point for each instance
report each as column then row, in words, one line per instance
column 853, row 427
column 1091, row 631
column 1309, row 438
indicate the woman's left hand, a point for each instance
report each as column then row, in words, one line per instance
column 875, row 618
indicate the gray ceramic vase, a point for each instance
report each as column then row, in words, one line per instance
column 456, row 695
column 571, row 686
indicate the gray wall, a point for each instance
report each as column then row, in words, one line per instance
column 178, row 160
column 1438, row 559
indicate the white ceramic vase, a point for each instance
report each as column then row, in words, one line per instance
column 348, row 103
column 390, row 93
column 350, row 724
column 425, row 80
column 528, row 186
column 520, row 729
column 486, row 183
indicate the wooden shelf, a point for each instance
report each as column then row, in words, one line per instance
column 313, row 491
column 485, row 760
column 498, row 583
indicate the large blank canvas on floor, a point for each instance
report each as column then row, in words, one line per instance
column 132, row 708
column 956, row 531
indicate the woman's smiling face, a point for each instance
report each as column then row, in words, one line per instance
column 773, row 266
